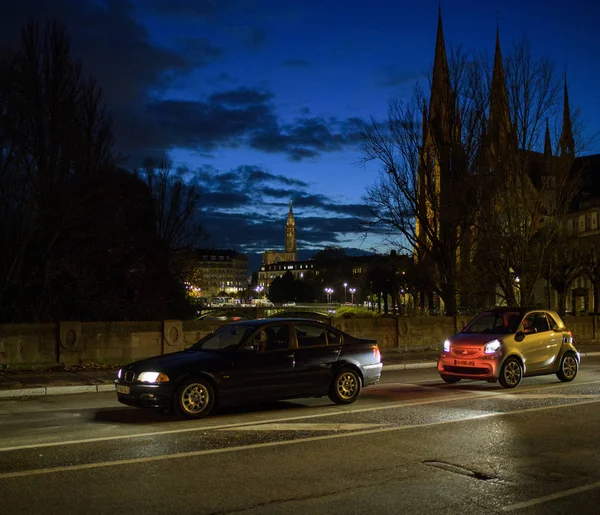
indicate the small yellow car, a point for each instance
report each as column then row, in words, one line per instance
column 506, row 344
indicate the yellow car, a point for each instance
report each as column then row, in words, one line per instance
column 507, row 344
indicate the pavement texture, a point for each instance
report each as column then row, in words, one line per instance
column 93, row 378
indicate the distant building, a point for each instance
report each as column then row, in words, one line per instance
column 216, row 271
column 290, row 253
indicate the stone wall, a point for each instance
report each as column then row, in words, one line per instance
column 69, row 343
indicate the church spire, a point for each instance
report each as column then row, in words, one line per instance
column 441, row 94
column 547, row 143
column 566, row 143
column 290, row 235
column 499, row 122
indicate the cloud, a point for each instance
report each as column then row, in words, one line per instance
column 295, row 63
column 393, row 76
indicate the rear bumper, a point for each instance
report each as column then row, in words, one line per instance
column 484, row 367
column 144, row 396
column 371, row 373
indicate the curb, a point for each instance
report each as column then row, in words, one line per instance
column 38, row 391
column 408, row 366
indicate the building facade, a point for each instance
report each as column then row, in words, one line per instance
column 218, row 271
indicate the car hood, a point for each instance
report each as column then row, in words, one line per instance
column 475, row 340
column 176, row 359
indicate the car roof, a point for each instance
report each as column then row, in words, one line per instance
column 264, row 321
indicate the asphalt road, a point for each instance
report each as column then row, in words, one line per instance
column 410, row 445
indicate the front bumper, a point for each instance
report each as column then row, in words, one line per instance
column 485, row 367
column 371, row 373
column 144, row 395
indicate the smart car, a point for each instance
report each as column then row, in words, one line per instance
column 507, row 344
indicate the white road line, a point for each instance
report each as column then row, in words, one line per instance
column 191, row 454
column 551, row 497
column 332, row 412
column 306, row 427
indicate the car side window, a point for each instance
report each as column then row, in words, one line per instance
column 310, row 335
column 551, row 321
column 539, row 322
column 333, row 338
column 272, row 338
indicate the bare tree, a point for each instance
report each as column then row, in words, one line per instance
column 175, row 205
column 51, row 127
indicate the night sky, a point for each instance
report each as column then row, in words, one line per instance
column 260, row 101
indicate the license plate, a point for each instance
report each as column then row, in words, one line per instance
column 464, row 363
column 123, row 389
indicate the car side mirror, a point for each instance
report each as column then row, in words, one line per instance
column 519, row 335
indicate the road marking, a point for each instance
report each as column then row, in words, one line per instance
column 332, row 412
column 205, row 452
column 305, row 427
column 551, row 497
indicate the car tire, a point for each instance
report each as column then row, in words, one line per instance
column 511, row 373
column 345, row 386
column 194, row 398
column 450, row 379
column 568, row 368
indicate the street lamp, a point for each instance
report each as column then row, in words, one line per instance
column 328, row 291
column 345, row 285
column 352, row 292
column 259, row 290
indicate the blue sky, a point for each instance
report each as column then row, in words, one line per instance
column 261, row 101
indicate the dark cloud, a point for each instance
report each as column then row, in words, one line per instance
column 393, row 76
column 186, row 8
column 200, row 51
column 295, row 63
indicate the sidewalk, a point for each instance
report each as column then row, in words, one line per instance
column 94, row 379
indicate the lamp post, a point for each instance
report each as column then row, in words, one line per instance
column 345, row 286
column 259, row 290
column 352, row 292
column 328, row 291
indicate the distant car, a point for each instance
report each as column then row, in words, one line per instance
column 289, row 304
column 254, row 360
column 507, row 344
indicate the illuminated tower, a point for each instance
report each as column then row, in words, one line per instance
column 290, row 235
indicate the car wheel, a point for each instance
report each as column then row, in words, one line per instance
column 194, row 398
column 345, row 387
column 511, row 373
column 450, row 379
column 568, row 368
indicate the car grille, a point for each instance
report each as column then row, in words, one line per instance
column 465, row 352
column 470, row 371
column 128, row 376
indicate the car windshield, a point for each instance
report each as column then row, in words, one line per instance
column 494, row 323
column 227, row 337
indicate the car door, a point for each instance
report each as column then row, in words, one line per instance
column 542, row 346
column 314, row 357
column 264, row 366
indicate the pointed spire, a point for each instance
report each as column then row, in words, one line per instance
column 547, row 142
column 566, row 143
column 290, row 234
column 441, row 95
column 500, row 125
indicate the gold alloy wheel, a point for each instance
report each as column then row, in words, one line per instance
column 195, row 398
column 569, row 367
column 512, row 373
column 347, row 385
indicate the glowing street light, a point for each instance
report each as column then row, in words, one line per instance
column 259, row 290
column 345, row 286
column 328, row 291
column 352, row 292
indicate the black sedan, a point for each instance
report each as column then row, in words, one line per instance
column 253, row 360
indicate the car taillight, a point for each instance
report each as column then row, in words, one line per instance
column 376, row 354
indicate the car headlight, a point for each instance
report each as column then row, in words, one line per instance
column 120, row 373
column 492, row 347
column 153, row 377
column 447, row 346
